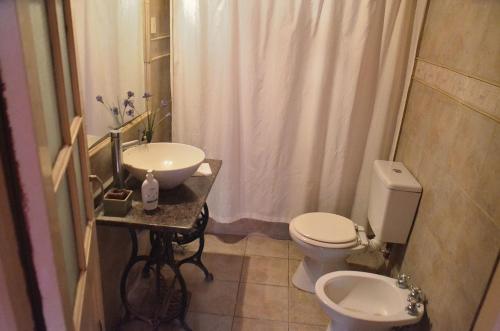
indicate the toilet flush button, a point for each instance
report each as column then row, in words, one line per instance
column 398, row 171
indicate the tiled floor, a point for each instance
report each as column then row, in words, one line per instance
column 251, row 290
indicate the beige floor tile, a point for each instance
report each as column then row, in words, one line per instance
column 222, row 266
column 261, row 245
column 224, row 244
column 304, row 308
column 262, row 302
column 292, row 267
column 305, row 327
column 250, row 324
column 216, row 297
column 209, row 322
column 265, row 270
column 197, row 322
column 293, row 251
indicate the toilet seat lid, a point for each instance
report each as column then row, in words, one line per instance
column 325, row 227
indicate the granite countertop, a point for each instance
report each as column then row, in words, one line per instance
column 178, row 208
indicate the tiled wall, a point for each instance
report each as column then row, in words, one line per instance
column 450, row 141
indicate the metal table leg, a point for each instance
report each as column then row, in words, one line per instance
column 161, row 255
column 128, row 267
column 196, row 258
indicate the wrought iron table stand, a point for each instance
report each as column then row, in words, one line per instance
column 172, row 302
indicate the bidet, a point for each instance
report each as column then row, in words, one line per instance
column 362, row 301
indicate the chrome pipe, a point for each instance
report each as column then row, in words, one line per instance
column 117, row 158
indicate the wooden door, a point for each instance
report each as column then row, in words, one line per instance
column 63, row 231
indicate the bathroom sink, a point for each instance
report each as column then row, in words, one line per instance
column 171, row 163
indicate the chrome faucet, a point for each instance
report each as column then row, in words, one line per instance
column 416, row 298
column 416, row 294
column 402, row 281
column 117, row 148
column 412, row 307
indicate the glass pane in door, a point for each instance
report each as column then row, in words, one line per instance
column 67, row 231
column 45, row 71
column 81, row 196
column 65, row 59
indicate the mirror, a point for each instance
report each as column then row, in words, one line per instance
column 123, row 59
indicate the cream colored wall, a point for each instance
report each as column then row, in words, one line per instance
column 450, row 141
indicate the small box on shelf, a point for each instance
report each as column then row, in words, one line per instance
column 117, row 202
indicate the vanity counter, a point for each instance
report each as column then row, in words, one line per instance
column 178, row 208
column 180, row 218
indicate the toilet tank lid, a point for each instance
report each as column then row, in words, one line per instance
column 396, row 177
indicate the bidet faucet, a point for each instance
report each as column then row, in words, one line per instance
column 402, row 281
column 117, row 148
column 416, row 293
column 412, row 307
column 415, row 298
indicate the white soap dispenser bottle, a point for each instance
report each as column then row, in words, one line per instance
column 149, row 191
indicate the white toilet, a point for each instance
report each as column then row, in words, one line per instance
column 361, row 301
column 326, row 239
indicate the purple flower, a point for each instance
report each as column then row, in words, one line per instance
column 130, row 112
column 114, row 110
column 130, row 94
column 99, row 99
column 147, row 95
column 131, row 104
column 126, row 103
column 164, row 103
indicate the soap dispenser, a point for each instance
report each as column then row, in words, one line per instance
column 149, row 192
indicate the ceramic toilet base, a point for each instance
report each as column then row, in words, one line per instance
column 309, row 271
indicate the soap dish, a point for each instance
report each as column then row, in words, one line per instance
column 117, row 202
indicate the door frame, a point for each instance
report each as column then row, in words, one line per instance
column 18, row 287
column 39, row 179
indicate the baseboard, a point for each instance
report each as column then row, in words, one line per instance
column 244, row 227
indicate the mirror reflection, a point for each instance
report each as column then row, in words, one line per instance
column 123, row 58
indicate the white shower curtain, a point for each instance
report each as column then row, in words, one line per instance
column 284, row 93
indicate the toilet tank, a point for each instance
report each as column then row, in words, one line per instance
column 394, row 197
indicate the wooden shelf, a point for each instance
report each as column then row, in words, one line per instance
column 160, row 37
column 159, row 57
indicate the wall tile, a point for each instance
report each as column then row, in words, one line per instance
column 454, row 152
column 487, row 191
column 463, row 34
column 444, row 117
column 469, row 149
column 473, row 92
column 416, row 118
column 415, row 126
column 450, row 140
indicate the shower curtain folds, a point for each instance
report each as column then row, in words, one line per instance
column 287, row 94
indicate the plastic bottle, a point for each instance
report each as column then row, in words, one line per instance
column 149, row 192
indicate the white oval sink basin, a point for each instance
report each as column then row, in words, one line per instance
column 171, row 163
